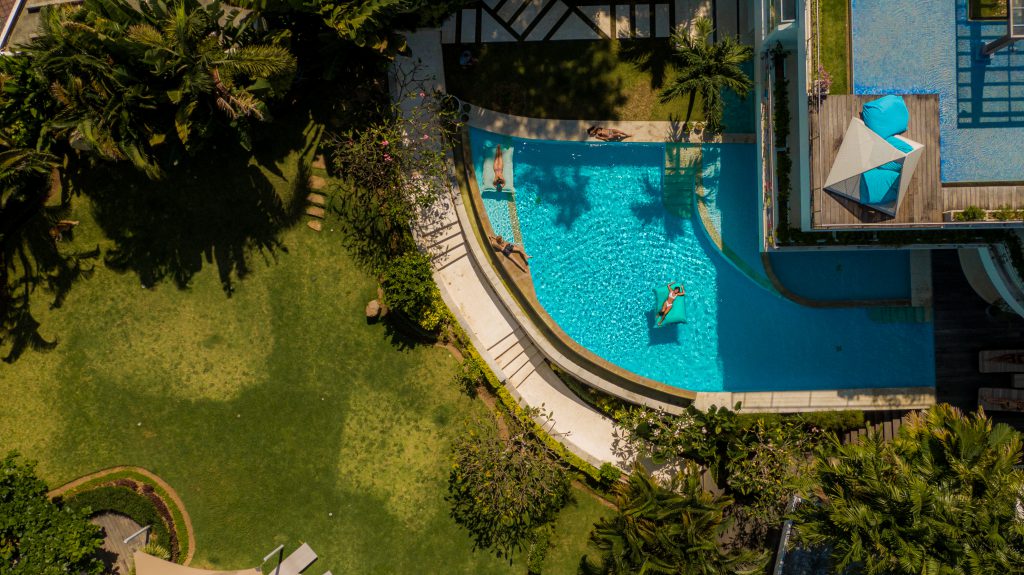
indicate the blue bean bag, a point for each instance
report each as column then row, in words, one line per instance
column 886, row 116
column 879, row 187
column 678, row 312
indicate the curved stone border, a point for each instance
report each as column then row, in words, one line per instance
column 189, row 531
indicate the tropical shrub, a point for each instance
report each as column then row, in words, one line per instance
column 943, row 497
column 503, row 488
column 394, row 169
column 145, row 81
column 970, row 214
column 126, row 501
column 705, row 69
column 1006, row 213
column 671, row 530
column 38, row 536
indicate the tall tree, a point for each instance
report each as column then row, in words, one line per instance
column 705, row 68
column 671, row 531
column 943, row 497
column 38, row 537
column 141, row 81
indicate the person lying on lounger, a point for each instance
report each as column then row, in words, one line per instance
column 499, row 170
column 671, row 299
column 607, row 134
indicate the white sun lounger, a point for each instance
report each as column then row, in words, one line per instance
column 297, row 562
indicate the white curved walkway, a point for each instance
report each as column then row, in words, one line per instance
column 467, row 292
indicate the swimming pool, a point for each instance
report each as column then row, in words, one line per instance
column 930, row 46
column 592, row 217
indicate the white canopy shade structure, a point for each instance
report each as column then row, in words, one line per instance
column 863, row 151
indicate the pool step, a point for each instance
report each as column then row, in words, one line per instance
column 901, row 314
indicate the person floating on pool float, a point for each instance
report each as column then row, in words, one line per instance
column 499, row 170
column 607, row 134
column 671, row 299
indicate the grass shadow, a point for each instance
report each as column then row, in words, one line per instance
column 651, row 57
column 218, row 209
column 565, row 80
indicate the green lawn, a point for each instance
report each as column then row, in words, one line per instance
column 834, row 32
column 278, row 414
column 569, row 80
column 988, row 9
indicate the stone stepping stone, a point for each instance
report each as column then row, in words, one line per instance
column 317, row 182
column 317, row 199
column 314, row 225
column 315, row 211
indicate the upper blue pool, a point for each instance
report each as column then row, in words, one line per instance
column 931, row 47
column 592, row 217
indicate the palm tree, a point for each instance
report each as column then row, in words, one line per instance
column 705, row 69
column 133, row 79
column 666, row 531
column 943, row 497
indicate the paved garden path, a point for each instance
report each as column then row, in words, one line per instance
column 457, row 254
column 116, row 553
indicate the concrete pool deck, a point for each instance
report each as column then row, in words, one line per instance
column 502, row 333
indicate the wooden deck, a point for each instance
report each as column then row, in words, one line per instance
column 964, row 326
column 927, row 197
column 923, row 201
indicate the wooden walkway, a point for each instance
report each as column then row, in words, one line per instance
column 886, row 423
column 923, row 202
column 116, row 553
column 964, row 326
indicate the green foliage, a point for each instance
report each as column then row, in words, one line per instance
column 144, row 81
column 942, row 497
column 502, row 489
column 706, row 68
column 672, row 530
column 1006, row 214
column 393, row 168
column 37, row 536
column 156, row 550
column 702, row 436
column 409, row 288
column 780, row 122
column 838, row 422
column 970, row 214
column 537, row 549
column 125, row 501
column 471, row 373
column 610, row 474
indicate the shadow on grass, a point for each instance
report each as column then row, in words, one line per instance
column 216, row 209
column 650, row 57
column 33, row 260
column 567, row 80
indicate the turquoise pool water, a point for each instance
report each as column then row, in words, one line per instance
column 930, row 47
column 847, row 275
column 592, row 217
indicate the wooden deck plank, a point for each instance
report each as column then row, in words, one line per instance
column 926, row 198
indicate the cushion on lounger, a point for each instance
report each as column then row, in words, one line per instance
column 487, row 185
column 879, row 187
column 678, row 312
column 900, row 145
column 886, row 116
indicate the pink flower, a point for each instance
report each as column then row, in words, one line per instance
column 387, row 157
column 384, row 143
column 423, row 95
column 426, row 137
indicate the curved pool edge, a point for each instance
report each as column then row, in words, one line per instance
column 534, row 321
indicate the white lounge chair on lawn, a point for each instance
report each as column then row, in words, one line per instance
column 297, row 562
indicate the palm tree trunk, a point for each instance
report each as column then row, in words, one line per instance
column 689, row 107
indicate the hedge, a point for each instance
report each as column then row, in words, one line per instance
column 126, row 501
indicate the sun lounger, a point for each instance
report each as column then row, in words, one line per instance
column 488, row 172
column 1001, row 361
column 297, row 562
column 1001, row 399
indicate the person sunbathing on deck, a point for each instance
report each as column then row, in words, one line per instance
column 507, row 248
column 499, row 170
column 671, row 299
column 607, row 134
